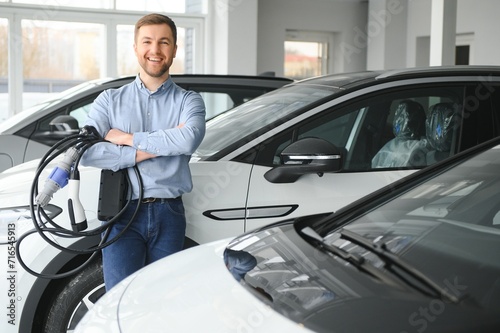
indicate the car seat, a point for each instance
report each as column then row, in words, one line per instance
column 407, row 147
column 440, row 126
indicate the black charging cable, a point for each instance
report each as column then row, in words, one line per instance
column 66, row 173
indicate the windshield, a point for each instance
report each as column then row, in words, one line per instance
column 29, row 112
column 446, row 228
column 258, row 114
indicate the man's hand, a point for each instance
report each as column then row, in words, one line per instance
column 119, row 137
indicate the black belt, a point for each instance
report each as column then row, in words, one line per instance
column 151, row 199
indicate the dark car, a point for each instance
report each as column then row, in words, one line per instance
column 420, row 255
column 29, row 134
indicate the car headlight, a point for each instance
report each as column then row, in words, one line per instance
column 15, row 221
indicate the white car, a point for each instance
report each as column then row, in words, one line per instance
column 420, row 255
column 310, row 147
column 186, row 298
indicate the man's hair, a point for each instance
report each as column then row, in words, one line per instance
column 151, row 19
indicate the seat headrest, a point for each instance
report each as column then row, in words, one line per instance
column 440, row 125
column 409, row 120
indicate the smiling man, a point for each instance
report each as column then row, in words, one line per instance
column 155, row 125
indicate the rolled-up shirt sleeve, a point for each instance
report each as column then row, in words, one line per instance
column 105, row 155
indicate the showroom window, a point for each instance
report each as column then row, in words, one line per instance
column 178, row 6
column 48, row 67
column 307, row 54
column 54, row 45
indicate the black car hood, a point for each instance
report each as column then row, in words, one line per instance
column 326, row 294
column 393, row 313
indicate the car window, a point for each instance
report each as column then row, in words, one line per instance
column 45, row 133
column 368, row 129
column 220, row 99
column 332, row 128
column 259, row 114
column 216, row 101
column 81, row 113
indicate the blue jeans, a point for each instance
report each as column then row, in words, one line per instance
column 157, row 231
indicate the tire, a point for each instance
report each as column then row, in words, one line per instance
column 75, row 296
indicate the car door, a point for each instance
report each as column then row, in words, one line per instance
column 361, row 128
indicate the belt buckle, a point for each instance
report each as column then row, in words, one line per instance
column 148, row 200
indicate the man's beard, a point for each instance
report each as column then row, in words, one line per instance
column 158, row 73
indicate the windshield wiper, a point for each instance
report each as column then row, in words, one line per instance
column 390, row 259
column 356, row 260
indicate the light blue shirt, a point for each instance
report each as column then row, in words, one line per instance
column 153, row 118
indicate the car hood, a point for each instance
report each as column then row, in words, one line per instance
column 16, row 182
column 327, row 294
column 191, row 291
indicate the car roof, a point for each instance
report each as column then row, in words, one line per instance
column 354, row 79
column 263, row 80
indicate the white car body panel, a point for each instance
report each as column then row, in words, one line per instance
column 12, row 150
column 221, row 182
column 331, row 191
column 215, row 300
column 217, row 185
column 15, row 184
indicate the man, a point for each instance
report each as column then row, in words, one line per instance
column 156, row 125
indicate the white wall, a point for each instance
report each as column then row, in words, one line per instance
column 248, row 36
column 387, row 30
column 345, row 19
column 476, row 18
column 232, row 41
column 364, row 41
column 482, row 19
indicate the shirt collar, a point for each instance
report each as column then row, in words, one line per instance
column 164, row 86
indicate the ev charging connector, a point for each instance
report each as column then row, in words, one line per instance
column 58, row 178
column 114, row 199
column 76, row 212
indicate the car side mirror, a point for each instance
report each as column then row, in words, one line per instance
column 65, row 123
column 60, row 128
column 306, row 156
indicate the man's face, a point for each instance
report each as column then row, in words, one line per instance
column 155, row 49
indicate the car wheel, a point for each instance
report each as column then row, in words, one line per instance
column 74, row 298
